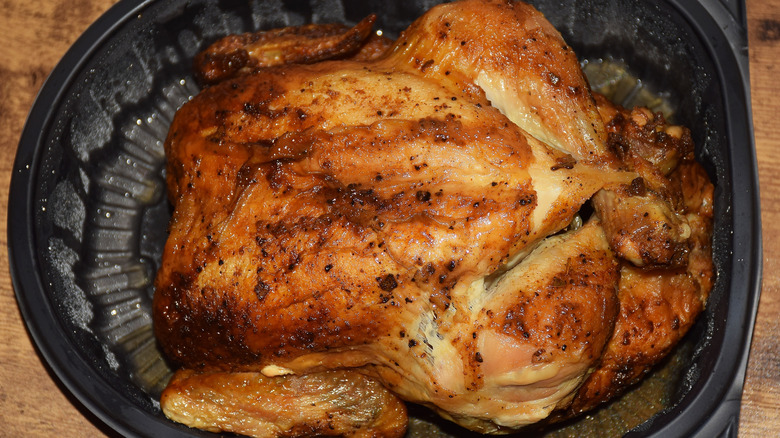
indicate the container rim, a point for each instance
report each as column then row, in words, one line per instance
column 712, row 20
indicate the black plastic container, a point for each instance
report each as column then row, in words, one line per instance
column 88, row 213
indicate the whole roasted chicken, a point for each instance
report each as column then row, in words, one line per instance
column 452, row 218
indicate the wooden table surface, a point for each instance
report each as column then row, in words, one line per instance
column 33, row 37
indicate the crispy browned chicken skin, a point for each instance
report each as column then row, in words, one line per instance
column 410, row 216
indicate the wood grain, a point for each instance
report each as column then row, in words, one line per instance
column 761, row 397
column 33, row 37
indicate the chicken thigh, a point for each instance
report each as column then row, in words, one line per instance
column 411, row 217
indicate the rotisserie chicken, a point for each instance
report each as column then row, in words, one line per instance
column 452, row 218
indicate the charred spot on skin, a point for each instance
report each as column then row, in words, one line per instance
column 261, row 290
column 387, row 283
column 616, row 143
column 246, row 176
column 661, row 137
column 478, row 357
column 565, row 162
column 255, row 109
column 623, row 374
column 423, row 196
column 637, row 187
column 528, row 200
column 294, row 263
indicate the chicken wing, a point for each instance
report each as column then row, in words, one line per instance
column 333, row 403
column 236, row 55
